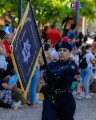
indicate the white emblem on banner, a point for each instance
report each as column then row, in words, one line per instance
column 26, row 51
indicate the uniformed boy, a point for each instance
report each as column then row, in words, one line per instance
column 59, row 103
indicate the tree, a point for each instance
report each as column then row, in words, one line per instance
column 45, row 11
column 88, row 10
column 50, row 10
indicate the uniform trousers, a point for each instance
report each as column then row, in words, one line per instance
column 63, row 110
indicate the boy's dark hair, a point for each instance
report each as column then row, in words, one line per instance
column 80, row 36
column 95, row 38
column 87, row 47
column 45, row 41
column 46, row 47
column 83, row 48
column 73, row 26
column 2, row 33
column 85, row 38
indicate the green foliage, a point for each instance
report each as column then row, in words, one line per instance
column 50, row 10
column 89, row 9
column 8, row 5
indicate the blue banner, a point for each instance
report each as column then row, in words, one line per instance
column 26, row 48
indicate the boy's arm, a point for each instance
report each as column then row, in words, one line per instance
column 6, row 86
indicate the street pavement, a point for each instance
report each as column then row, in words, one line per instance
column 86, row 110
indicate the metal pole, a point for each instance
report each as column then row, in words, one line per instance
column 76, row 15
column 19, row 10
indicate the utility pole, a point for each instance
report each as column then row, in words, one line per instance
column 76, row 14
column 19, row 10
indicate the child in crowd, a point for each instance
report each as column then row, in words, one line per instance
column 77, row 88
column 80, row 91
column 5, row 95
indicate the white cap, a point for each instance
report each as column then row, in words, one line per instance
column 90, row 41
column 92, row 33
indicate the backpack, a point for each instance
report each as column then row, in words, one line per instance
column 83, row 63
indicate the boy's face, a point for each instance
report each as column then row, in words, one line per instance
column 8, row 39
column 64, row 54
column 49, row 42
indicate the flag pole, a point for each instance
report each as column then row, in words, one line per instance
column 19, row 10
column 76, row 15
column 44, row 58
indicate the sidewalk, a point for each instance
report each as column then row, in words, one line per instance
column 86, row 110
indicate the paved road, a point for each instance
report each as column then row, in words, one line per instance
column 86, row 110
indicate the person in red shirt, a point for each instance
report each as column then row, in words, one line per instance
column 7, row 42
column 54, row 35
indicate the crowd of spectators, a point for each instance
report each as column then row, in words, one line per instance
column 11, row 96
column 84, row 50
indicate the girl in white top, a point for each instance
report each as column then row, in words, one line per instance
column 89, row 57
column 86, row 73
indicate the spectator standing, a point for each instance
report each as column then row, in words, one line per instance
column 32, row 94
column 85, row 40
column 3, row 62
column 48, row 55
column 71, row 34
column 7, row 42
column 90, row 38
column 86, row 73
column 80, row 38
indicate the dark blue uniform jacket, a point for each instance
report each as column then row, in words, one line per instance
column 62, row 74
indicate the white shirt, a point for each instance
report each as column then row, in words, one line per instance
column 54, row 53
column 75, row 58
column 3, row 63
column 90, row 41
column 89, row 56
